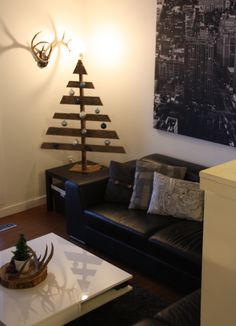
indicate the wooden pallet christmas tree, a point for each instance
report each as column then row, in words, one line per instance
column 83, row 133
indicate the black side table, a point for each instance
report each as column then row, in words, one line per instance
column 62, row 174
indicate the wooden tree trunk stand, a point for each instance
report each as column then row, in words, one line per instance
column 24, row 280
column 89, row 168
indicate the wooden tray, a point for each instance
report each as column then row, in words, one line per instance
column 24, row 280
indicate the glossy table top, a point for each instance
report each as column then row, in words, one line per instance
column 74, row 276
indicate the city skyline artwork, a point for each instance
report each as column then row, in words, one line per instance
column 195, row 69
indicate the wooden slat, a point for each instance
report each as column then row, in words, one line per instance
column 79, row 69
column 74, row 132
column 77, row 100
column 87, row 147
column 76, row 84
column 75, row 116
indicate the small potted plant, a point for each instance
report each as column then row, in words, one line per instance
column 21, row 254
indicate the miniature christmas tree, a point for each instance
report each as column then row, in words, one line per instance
column 22, row 251
column 83, row 133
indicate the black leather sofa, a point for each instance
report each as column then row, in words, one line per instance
column 165, row 247
column 184, row 312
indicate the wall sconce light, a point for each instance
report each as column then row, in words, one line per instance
column 42, row 50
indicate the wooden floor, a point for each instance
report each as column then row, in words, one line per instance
column 38, row 221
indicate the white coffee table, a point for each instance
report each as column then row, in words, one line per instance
column 77, row 282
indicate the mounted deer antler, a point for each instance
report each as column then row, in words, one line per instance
column 43, row 49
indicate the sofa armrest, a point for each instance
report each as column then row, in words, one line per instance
column 151, row 322
column 184, row 312
column 79, row 197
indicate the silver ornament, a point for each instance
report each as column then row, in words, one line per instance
column 71, row 92
column 64, row 123
column 82, row 84
column 82, row 115
column 97, row 111
column 107, row 142
column 75, row 142
column 84, row 131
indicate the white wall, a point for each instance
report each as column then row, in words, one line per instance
column 29, row 95
column 119, row 58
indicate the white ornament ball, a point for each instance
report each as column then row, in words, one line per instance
column 64, row 123
column 75, row 142
column 97, row 111
column 82, row 115
column 107, row 142
column 83, row 131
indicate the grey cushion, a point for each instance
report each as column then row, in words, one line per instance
column 120, row 184
column 144, row 180
column 178, row 198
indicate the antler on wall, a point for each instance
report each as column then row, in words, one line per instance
column 42, row 50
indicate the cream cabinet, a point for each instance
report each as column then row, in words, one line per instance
column 218, row 302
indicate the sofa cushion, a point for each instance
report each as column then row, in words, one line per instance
column 192, row 173
column 120, row 184
column 180, row 242
column 173, row 171
column 179, row 198
column 184, row 312
column 144, row 180
column 130, row 226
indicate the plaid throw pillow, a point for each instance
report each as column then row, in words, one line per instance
column 143, row 181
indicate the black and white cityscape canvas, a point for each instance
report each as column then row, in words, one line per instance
column 195, row 70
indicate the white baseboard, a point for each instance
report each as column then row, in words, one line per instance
column 22, row 206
